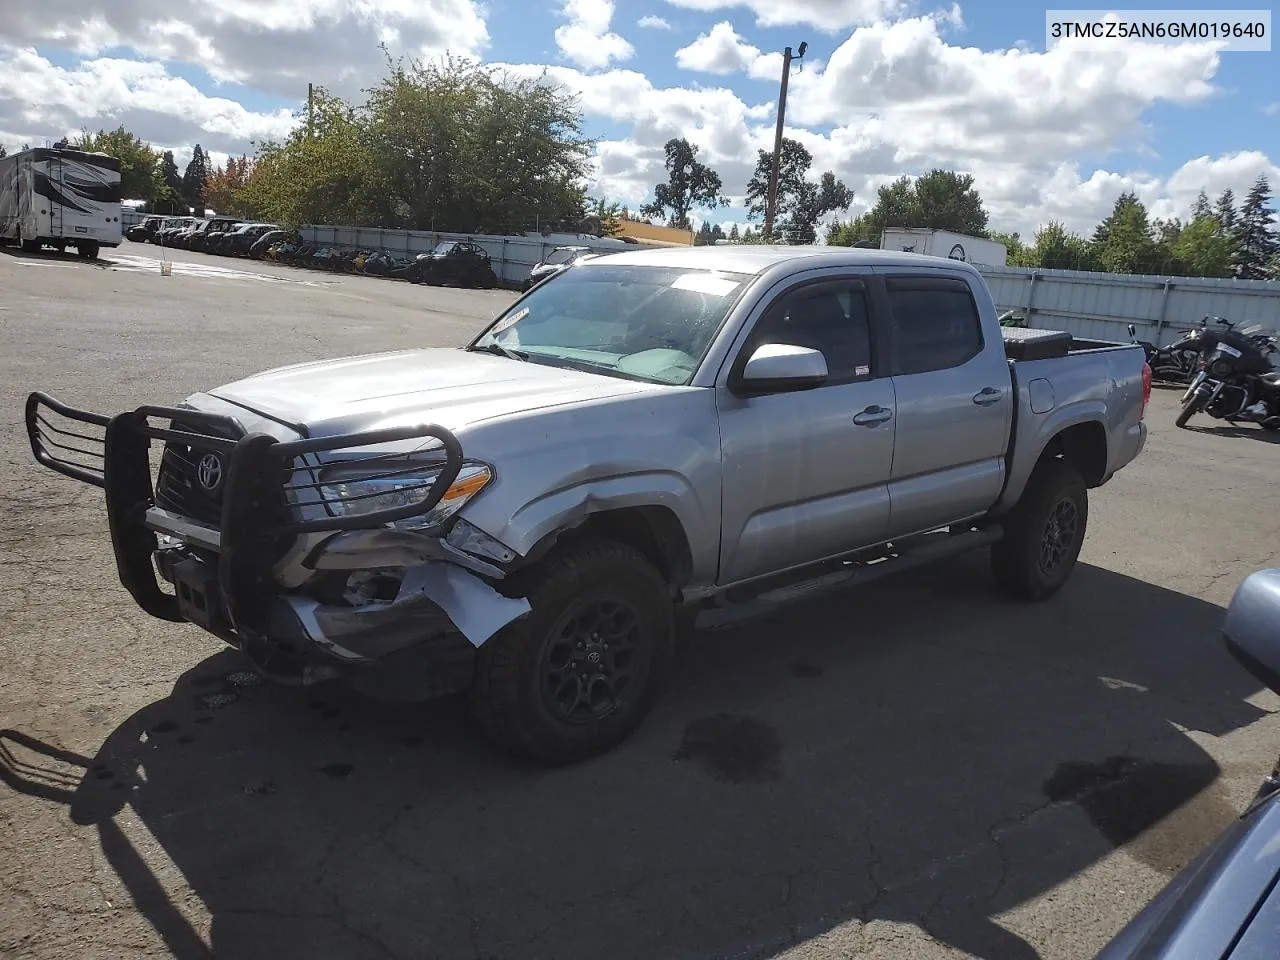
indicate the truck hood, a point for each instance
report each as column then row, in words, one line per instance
column 447, row 386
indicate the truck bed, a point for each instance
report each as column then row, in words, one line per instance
column 1027, row 343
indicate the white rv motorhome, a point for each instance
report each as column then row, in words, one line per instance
column 60, row 198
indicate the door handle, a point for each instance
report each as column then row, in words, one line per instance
column 872, row 415
column 987, row 396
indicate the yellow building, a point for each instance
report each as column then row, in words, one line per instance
column 649, row 235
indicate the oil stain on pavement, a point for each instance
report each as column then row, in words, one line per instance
column 732, row 748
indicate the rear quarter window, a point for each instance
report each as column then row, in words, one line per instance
column 936, row 325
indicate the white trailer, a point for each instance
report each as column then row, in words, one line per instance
column 60, row 198
column 944, row 243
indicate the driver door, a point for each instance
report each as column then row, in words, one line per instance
column 806, row 472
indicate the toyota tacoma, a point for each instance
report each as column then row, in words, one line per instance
column 642, row 440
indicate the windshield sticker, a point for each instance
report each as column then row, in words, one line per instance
column 707, row 283
column 509, row 321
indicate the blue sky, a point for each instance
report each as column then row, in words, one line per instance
column 889, row 87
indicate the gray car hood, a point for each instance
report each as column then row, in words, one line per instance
column 447, row 386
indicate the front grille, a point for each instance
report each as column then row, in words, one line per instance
column 178, row 488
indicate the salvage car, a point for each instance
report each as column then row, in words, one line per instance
column 654, row 435
column 454, row 263
column 558, row 260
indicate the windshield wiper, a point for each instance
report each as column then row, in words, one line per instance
column 499, row 350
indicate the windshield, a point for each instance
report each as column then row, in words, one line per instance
column 637, row 322
column 443, row 247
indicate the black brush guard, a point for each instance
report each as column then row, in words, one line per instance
column 256, row 518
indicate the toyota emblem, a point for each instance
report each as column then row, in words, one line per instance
column 209, row 471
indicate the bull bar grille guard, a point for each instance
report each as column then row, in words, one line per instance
column 255, row 510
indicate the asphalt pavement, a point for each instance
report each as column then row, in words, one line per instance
column 916, row 768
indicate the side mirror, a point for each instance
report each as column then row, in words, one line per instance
column 1252, row 626
column 1133, row 331
column 781, row 367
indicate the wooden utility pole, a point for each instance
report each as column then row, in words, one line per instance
column 771, row 199
column 310, row 108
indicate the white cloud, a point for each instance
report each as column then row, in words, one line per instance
column 955, row 106
column 41, row 101
column 275, row 46
column 829, row 16
column 1040, row 131
column 1272, row 109
column 721, row 51
column 586, row 39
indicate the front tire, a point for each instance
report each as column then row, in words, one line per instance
column 88, row 250
column 1043, row 533
column 1189, row 410
column 577, row 674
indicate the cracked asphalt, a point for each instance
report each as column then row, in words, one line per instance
column 915, row 769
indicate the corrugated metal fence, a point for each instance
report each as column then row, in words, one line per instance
column 512, row 257
column 1099, row 306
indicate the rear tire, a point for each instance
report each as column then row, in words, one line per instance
column 529, row 695
column 1189, row 410
column 88, row 250
column 28, row 246
column 1043, row 534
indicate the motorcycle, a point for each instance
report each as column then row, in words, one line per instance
column 1179, row 361
column 1236, row 381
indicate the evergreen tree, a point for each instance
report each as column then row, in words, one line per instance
column 1225, row 211
column 196, row 179
column 1256, row 243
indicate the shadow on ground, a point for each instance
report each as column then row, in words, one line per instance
column 917, row 750
column 53, row 256
column 1212, row 428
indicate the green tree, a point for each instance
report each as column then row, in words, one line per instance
column 468, row 148
column 690, row 183
column 168, row 187
column 800, row 202
column 937, row 200
column 3, row 152
column 1202, row 207
column 1225, row 210
column 734, row 234
column 1201, row 250
column 1123, row 242
column 1256, row 245
column 138, row 161
column 1057, row 249
column 607, row 216
column 325, row 176
column 946, row 200
column 195, row 179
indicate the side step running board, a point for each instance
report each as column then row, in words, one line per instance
column 853, row 573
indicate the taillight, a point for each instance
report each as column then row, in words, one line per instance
column 1146, row 389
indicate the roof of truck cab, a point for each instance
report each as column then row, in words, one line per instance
column 756, row 259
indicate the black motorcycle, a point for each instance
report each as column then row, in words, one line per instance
column 1236, row 381
column 1177, row 363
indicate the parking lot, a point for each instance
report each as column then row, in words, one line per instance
column 916, row 768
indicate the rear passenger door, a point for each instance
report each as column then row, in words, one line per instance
column 806, row 472
column 954, row 400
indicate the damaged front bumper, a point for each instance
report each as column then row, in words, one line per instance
column 308, row 594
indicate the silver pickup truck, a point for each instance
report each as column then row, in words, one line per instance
column 647, row 437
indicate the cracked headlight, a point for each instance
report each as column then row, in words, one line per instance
column 350, row 492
